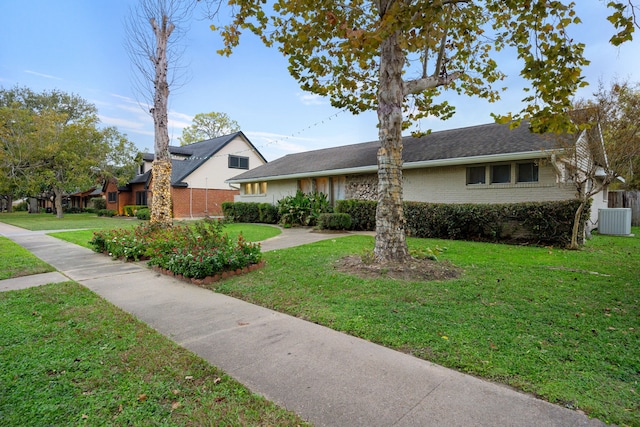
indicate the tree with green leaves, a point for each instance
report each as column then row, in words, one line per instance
column 52, row 142
column 618, row 106
column 208, row 126
column 397, row 56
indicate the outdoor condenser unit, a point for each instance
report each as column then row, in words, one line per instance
column 615, row 221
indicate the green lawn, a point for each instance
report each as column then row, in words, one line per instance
column 16, row 261
column 44, row 221
column 560, row 324
column 68, row 357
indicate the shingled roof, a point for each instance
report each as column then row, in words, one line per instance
column 462, row 145
column 191, row 157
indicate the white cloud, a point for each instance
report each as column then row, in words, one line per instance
column 46, row 76
column 310, row 98
column 125, row 123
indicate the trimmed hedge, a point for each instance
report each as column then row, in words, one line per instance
column 107, row 212
column 548, row 223
column 362, row 213
column 143, row 214
column 131, row 210
column 250, row 212
column 334, row 221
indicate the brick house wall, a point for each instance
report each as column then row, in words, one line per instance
column 199, row 202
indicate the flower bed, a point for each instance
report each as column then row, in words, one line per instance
column 196, row 251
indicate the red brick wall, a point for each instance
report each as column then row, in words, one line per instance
column 111, row 187
column 192, row 202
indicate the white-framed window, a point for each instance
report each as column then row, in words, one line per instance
column 238, row 162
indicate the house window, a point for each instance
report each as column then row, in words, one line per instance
column 255, row 188
column 476, row 175
column 141, row 169
column 141, row 198
column 113, row 196
column 237, row 162
column 500, row 174
column 528, row 172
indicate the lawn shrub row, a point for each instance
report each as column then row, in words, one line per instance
column 334, row 221
column 548, row 223
column 132, row 210
column 300, row 209
column 106, row 212
column 265, row 213
column 197, row 250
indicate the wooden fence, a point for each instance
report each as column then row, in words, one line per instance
column 627, row 199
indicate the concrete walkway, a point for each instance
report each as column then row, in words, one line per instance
column 329, row 378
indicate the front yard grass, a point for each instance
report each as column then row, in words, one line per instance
column 45, row 221
column 16, row 261
column 68, row 357
column 560, row 324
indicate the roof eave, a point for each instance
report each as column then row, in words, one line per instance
column 408, row 165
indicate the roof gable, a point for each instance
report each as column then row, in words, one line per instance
column 188, row 158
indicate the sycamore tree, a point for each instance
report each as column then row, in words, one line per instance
column 154, row 31
column 208, row 126
column 398, row 56
column 53, row 142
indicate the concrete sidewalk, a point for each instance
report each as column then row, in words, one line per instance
column 329, row 378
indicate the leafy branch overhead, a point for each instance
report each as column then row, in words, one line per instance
column 334, row 50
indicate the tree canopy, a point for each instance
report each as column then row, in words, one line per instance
column 52, row 141
column 208, row 126
column 397, row 56
column 618, row 107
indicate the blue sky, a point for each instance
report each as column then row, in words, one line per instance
column 78, row 46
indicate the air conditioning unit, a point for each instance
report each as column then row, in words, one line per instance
column 614, row 221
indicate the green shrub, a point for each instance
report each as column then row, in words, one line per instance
column 106, row 212
column 72, row 210
column 545, row 223
column 143, row 214
column 302, row 209
column 229, row 212
column 21, row 207
column 334, row 221
column 98, row 203
column 246, row 212
column 268, row 213
column 362, row 213
column 250, row 212
column 131, row 210
column 198, row 250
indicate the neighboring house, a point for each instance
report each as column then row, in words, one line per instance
column 480, row 164
column 199, row 173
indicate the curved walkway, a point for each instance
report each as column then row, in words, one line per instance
column 329, row 378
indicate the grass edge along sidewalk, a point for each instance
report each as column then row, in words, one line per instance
column 562, row 325
column 68, row 357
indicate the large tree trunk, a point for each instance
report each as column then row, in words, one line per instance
column 57, row 202
column 391, row 243
column 161, row 184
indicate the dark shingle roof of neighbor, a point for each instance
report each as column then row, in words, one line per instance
column 193, row 156
column 482, row 140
